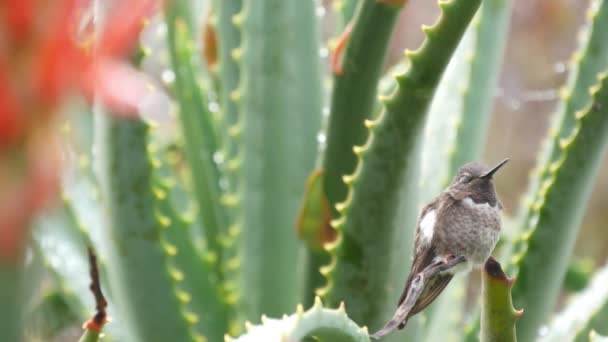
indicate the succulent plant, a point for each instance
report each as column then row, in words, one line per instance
column 243, row 203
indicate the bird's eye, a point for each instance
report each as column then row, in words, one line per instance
column 465, row 179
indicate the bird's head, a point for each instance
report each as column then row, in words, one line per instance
column 476, row 179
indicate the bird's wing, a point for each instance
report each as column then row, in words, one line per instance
column 425, row 282
column 424, row 251
column 432, row 289
column 425, row 254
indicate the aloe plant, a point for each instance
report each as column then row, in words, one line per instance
column 227, row 215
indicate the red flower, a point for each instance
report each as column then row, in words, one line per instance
column 42, row 61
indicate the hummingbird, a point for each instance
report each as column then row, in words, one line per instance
column 456, row 232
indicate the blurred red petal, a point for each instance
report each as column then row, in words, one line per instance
column 11, row 119
column 124, row 25
column 59, row 61
column 14, row 216
column 23, row 195
column 19, row 19
column 118, row 85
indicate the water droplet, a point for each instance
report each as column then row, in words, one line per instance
column 218, row 157
column 560, row 67
column 168, row 76
column 320, row 11
column 213, row 107
column 514, row 104
column 325, row 111
column 224, row 183
column 323, row 52
column 321, row 138
column 161, row 30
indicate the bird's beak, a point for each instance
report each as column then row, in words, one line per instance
column 490, row 173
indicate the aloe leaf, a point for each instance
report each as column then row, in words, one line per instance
column 579, row 273
column 372, row 248
column 587, row 62
column 197, row 126
column 346, row 9
column 280, row 101
column 11, row 282
column 229, row 41
column 354, row 93
column 229, row 34
column 318, row 322
column 61, row 239
column 51, row 315
column 90, row 336
column 195, row 282
column 595, row 337
column 541, row 254
column 62, row 243
column 135, row 258
column 583, row 313
column 498, row 316
column 314, row 230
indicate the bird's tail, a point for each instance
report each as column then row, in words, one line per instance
column 398, row 321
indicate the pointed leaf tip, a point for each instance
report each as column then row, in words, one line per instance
column 318, row 303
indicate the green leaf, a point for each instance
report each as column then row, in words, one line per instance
column 318, row 322
column 140, row 280
column 11, row 324
column 542, row 252
column 197, row 126
column 280, row 104
column 587, row 62
column 51, row 315
column 229, row 34
column 196, row 285
column 346, row 9
column 354, row 93
column 498, row 316
column 582, row 313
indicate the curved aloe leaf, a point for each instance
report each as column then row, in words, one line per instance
column 62, row 243
column 229, row 35
column 11, row 283
column 51, row 315
column 595, row 337
column 585, row 312
column 590, row 59
column 346, row 9
column 354, row 93
column 321, row 323
column 498, row 316
column 280, row 104
column 61, row 239
column 197, row 127
column 195, row 283
column 542, row 253
column 135, row 257
column 371, row 253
